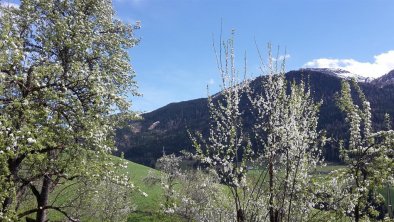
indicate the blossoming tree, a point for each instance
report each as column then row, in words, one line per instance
column 227, row 148
column 64, row 70
column 288, row 143
column 289, row 146
column 368, row 154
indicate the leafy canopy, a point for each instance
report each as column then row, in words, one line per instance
column 64, row 70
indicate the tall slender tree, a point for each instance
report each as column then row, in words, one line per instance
column 289, row 145
column 368, row 154
column 227, row 149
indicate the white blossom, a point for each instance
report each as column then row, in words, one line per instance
column 31, row 140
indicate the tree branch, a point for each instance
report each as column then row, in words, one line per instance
column 24, row 214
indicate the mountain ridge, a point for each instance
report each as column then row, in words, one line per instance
column 341, row 73
column 166, row 129
column 387, row 79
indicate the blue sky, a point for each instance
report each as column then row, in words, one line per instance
column 175, row 60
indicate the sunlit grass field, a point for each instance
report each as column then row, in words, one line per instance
column 148, row 208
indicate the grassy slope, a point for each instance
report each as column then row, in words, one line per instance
column 148, row 207
column 137, row 173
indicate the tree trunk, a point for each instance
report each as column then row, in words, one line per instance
column 271, row 185
column 6, row 204
column 357, row 213
column 240, row 215
column 42, row 200
column 13, row 165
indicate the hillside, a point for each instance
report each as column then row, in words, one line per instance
column 147, row 208
column 166, row 128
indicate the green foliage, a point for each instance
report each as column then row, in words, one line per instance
column 154, row 217
column 64, row 70
column 89, row 199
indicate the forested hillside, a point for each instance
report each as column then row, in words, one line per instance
column 166, row 128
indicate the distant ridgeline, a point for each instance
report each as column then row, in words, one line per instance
column 165, row 129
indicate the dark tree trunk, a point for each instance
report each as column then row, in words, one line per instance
column 42, row 201
column 6, row 204
column 357, row 213
column 240, row 215
column 271, row 185
column 13, row 165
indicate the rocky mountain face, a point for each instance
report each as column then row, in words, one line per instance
column 166, row 129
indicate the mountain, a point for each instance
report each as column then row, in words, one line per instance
column 163, row 129
column 166, row 129
column 385, row 80
column 341, row 73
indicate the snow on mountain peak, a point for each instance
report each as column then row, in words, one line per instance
column 341, row 73
column 384, row 80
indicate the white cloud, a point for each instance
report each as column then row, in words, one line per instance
column 382, row 64
column 211, row 82
column 282, row 57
